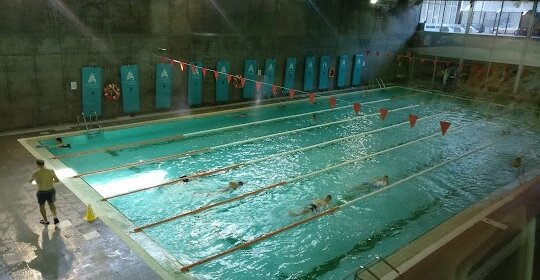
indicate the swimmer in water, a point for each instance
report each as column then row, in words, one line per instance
column 233, row 185
column 518, row 163
column 315, row 206
column 60, row 143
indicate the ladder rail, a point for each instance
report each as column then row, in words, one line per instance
column 84, row 119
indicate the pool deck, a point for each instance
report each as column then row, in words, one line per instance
column 74, row 249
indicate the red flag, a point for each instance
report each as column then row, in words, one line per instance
column 444, row 127
column 182, row 65
column 258, row 85
column 383, row 112
column 163, row 60
column 422, row 60
column 228, row 78
column 332, row 101
column 216, row 74
column 312, row 98
column 172, row 61
column 377, row 53
column 291, row 93
column 356, row 107
column 274, row 90
column 204, row 72
column 242, row 81
column 412, row 120
column 193, row 68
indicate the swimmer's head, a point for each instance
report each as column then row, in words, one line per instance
column 386, row 177
column 40, row 162
column 184, row 178
column 328, row 197
column 240, row 183
column 518, row 159
column 59, row 140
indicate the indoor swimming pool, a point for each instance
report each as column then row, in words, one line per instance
column 167, row 178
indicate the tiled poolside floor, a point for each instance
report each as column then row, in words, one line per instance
column 74, row 249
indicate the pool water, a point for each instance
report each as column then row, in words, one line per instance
column 334, row 153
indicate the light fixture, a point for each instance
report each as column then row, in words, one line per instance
column 373, row 1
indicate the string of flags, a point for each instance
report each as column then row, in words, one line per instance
column 332, row 100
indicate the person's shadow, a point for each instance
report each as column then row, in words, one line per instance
column 52, row 258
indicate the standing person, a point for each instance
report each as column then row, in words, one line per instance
column 45, row 179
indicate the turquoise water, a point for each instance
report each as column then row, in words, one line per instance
column 329, row 247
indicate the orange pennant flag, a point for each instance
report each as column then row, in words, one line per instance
column 291, row 93
column 204, row 72
column 193, row 68
column 444, row 127
column 412, row 120
column 216, row 74
column 312, row 98
column 228, row 78
column 356, row 107
column 332, row 101
column 383, row 112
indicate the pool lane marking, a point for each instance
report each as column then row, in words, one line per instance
column 199, row 133
column 338, row 207
column 347, row 162
column 206, row 149
column 237, row 165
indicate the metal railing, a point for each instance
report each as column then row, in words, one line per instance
column 89, row 123
column 367, row 268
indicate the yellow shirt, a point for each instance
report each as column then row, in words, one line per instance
column 45, row 179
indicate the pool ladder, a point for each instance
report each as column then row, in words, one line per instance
column 380, row 83
column 88, row 124
column 362, row 269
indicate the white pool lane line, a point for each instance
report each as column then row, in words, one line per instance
column 254, row 161
column 297, row 178
column 340, row 207
column 251, row 140
column 232, row 127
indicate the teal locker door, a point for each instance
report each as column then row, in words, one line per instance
column 342, row 71
column 323, row 72
column 309, row 73
column 163, row 85
column 269, row 76
column 290, row 70
column 222, row 85
column 194, row 84
column 250, row 72
column 357, row 69
column 130, row 88
column 92, row 90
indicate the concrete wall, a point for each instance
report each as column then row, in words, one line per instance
column 44, row 44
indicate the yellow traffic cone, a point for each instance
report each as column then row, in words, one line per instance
column 89, row 216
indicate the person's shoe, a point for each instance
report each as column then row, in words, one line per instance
column 43, row 222
column 56, row 221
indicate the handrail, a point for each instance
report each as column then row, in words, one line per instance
column 84, row 119
column 97, row 120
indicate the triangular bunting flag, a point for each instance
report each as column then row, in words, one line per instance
column 242, row 82
column 383, row 112
column 412, row 120
column 274, row 90
column 204, row 72
column 258, row 85
column 172, row 61
column 193, row 68
column 228, row 78
column 356, row 107
column 216, row 74
column 332, row 101
column 444, row 127
column 162, row 60
column 182, row 66
column 291, row 93
column 312, row 98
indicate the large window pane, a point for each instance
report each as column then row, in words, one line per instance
column 536, row 28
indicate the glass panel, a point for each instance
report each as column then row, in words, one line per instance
column 515, row 18
column 536, row 28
